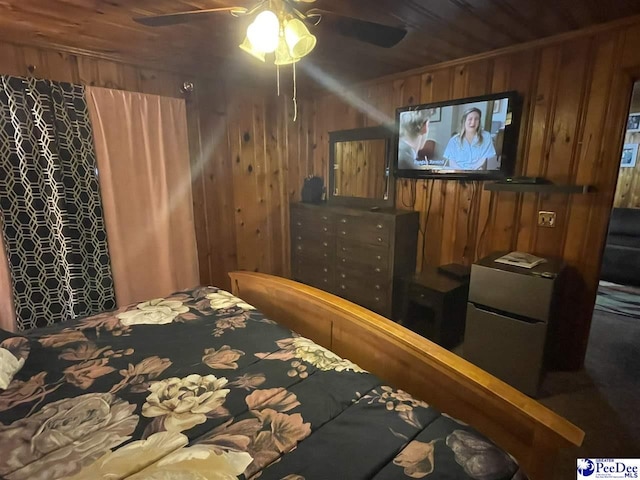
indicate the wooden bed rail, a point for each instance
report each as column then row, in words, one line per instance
column 526, row 429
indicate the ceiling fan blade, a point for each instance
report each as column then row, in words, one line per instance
column 370, row 32
column 183, row 17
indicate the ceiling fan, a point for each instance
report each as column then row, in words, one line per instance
column 366, row 31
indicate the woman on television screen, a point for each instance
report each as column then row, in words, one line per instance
column 414, row 126
column 472, row 147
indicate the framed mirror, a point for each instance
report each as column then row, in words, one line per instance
column 359, row 169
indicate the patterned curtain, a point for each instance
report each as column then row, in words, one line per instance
column 50, row 202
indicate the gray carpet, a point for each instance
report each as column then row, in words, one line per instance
column 604, row 398
column 620, row 299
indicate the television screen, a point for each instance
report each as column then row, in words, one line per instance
column 473, row 138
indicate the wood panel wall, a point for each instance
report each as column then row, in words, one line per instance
column 576, row 91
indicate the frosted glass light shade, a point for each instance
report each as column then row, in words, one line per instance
column 263, row 33
column 283, row 56
column 298, row 38
column 248, row 47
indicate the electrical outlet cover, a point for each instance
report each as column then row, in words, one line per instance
column 546, row 219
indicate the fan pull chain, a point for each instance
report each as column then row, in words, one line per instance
column 278, row 78
column 295, row 93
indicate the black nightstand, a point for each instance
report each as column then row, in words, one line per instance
column 435, row 306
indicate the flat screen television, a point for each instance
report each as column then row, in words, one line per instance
column 471, row 138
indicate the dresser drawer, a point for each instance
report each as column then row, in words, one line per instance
column 368, row 281
column 363, row 293
column 303, row 220
column 362, row 229
column 358, row 255
column 315, row 273
column 320, row 248
column 363, row 269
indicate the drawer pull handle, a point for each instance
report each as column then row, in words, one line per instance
column 379, row 226
column 299, row 247
column 325, row 229
column 343, row 220
column 299, row 237
column 325, row 269
column 326, row 280
column 379, row 257
column 324, row 217
column 380, row 239
column 344, row 249
column 343, row 286
column 377, row 270
column 377, row 299
column 377, row 287
column 326, row 254
column 344, row 260
column 325, row 244
column 299, row 224
column 344, row 233
column 343, row 275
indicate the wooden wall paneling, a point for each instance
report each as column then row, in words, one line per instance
column 381, row 104
column 572, row 83
column 576, row 248
column 259, row 168
column 541, row 136
column 197, row 163
column 160, row 83
column 10, row 62
column 54, row 65
column 217, row 170
column 434, row 86
column 244, row 151
column 297, row 166
column 321, row 118
column 511, row 72
column 579, row 293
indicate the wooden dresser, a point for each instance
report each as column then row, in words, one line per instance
column 355, row 253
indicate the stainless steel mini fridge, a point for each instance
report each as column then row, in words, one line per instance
column 508, row 315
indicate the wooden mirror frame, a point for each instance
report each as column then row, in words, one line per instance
column 357, row 134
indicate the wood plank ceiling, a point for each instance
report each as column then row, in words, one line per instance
column 439, row 30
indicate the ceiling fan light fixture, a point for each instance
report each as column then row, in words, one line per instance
column 299, row 40
column 264, row 32
column 283, row 55
column 247, row 46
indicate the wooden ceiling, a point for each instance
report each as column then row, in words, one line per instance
column 439, row 30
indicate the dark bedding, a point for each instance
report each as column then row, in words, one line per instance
column 202, row 386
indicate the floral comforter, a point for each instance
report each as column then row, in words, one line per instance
column 200, row 385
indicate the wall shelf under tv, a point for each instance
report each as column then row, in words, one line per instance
column 538, row 188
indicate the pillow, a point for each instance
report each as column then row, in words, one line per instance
column 14, row 350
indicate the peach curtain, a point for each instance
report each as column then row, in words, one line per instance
column 7, row 310
column 145, row 181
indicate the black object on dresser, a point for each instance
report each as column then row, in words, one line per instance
column 435, row 306
column 355, row 253
column 508, row 318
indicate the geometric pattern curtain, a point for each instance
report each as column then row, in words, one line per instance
column 50, row 203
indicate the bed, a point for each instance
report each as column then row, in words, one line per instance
column 205, row 384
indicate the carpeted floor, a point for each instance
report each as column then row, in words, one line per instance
column 620, row 299
column 604, row 398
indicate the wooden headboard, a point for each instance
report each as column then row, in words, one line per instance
column 526, row 429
